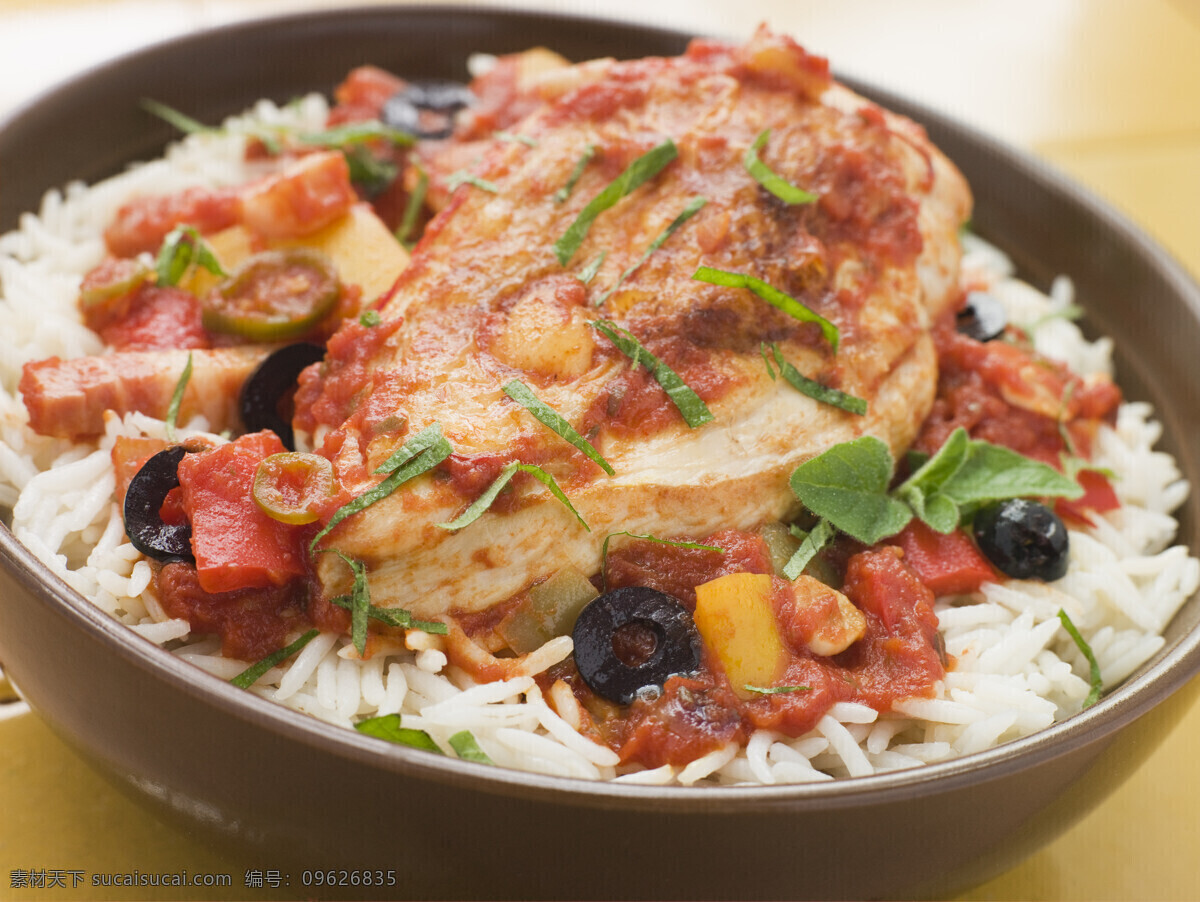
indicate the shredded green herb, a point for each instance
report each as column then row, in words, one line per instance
column 776, row 690
column 177, row 398
column 173, row 117
column 551, row 419
column 190, row 126
column 371, row 174
column 254, row 673
column 397, row 617
column 369, row 319
column 515, row 138
column 1097, row 683
column 810, row 387
column 477, row 507
column 771, row 295
column 693, row 207
column 418, row 455
column 466, row 746
column 589, row 272
column 765, row 176
column 359, row 602
column 342, row 136
column 462, row 177
column 810, row 545
column 641, row 170
column 388, row 727
column 412, row 209
column 576, row 174
column 695, row 411
column 182, row 248
column 695, row 546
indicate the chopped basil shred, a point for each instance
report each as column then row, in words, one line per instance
column 254, row 673
column 360, row 602
column 551, row 419
column 515, row 138
column 814, row 389
column 477, row 507
column 412, row 209
column 589, row 272
column 397, row 617
column 462, row 177
column 641, row 170
column 177, row 398
column 811, row 543
column 695, row 546
column 466, row 746
column 173, row 117
column 357, row 133
column 190, row 126
column 765, row 176
column 1097, row 683
column 695, row 411
column 576, row 174
column 418, row 455
column 369, row 319
column 776, row 690
column 693, row 207
column 368, row 172
column 388, row 727
column 182, row 248
column 771, row 295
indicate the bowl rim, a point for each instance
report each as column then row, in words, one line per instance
column 1167, row 671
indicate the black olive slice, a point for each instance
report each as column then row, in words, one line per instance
column 1024, row 539
column 270, row 384
column 983, row 318
column 143, row 501
column 403, row 110
column 632, row 638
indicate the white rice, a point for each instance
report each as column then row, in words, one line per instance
column 1016, row 670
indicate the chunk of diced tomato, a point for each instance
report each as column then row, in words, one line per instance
column 1098, row 497
column 948, row 563
column 236, row 545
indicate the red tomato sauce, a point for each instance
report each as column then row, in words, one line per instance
column 899, row 656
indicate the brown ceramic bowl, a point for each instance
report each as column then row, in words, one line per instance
column 295, row 794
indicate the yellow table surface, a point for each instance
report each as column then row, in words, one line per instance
column 1108, row 90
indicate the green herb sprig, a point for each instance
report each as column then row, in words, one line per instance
column 848, row 485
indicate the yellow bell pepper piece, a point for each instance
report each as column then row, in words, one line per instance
column 736, row 620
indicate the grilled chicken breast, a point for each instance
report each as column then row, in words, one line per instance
column 487, row 299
